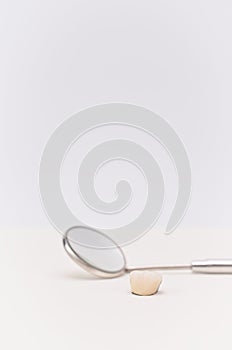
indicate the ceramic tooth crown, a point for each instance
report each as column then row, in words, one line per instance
column 145, row 282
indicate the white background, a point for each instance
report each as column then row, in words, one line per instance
column 58, row 57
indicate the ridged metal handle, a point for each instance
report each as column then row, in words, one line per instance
column 212, row 266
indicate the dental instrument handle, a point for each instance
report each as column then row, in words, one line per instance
column 212, row 266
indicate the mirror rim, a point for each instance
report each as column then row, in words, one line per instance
column 87, row 266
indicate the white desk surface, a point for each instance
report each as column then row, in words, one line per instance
column 47, row 302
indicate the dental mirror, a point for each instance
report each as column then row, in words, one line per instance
column 100, row 255
column 94, row 251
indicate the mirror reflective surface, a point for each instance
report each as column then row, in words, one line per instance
column 95, row 249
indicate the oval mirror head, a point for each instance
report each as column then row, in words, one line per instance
column 95, row 252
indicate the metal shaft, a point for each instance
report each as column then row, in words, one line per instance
column 199, row 266
column 161, row 268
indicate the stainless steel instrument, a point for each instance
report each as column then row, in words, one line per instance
column 101, row 256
